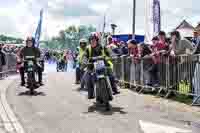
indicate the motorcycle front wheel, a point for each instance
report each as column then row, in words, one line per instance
column 103, row 92
column 31, row 82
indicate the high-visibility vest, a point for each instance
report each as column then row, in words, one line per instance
column 108, row 59
column 81, row 54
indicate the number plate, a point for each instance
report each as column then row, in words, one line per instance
column 99, row 64
column 30, row 69
column 30, row 63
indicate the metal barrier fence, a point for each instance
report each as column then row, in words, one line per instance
column 171, row 74
column 10, row 67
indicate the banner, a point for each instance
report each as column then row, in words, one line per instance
column 156, row 17
column 152, row 19
column 38, row 30
column 148, row 21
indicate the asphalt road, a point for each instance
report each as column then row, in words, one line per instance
column 59, row 107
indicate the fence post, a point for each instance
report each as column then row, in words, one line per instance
column 123, row 68
column 141, row 75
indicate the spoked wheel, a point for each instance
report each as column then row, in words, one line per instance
column 31, row 82
column 103, row 93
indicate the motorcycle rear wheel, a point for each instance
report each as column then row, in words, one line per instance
column 103, row 93
column 31, row 82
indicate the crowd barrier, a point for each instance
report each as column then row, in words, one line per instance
column 10, row 67
column 179, row 74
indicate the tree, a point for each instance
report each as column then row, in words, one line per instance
column 4, row 38
column 69, row 38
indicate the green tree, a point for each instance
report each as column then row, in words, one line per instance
column 69, row 38
column 4, row 38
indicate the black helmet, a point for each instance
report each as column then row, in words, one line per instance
column 30, row 39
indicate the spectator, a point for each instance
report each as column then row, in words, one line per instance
column 112, row 47
column 115, row 48
column 133, row 48
column 133, row 51
column 109, row 40
column 123, row 48
column 180, row 46
column 196, row 42
column 195, row 39
column 145, row 52
column 19, row 64
column 196, row 77
column 154, row 69
column 162, row 44
column 2, row 60
column 65, row 58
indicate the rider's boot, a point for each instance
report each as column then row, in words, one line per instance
column 99, row 101
column 22, row 83
column 108, row 107
column 40, row 78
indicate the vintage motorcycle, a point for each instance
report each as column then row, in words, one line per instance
column 31, row 65
column 103, row 87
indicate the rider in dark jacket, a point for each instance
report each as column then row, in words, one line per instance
column 30, row 50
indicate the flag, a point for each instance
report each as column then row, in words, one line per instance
column 156, row 17
column 148, row 21
column 38, row 30
column 152, row 19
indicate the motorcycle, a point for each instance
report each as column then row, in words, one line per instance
column 30, row 65
column 60, row 66
column 102, row 82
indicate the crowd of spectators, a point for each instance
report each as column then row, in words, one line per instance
column 8, row 54
column 159, row 47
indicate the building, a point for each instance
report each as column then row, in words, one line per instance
column 186, row 29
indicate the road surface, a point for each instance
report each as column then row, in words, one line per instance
column 58, row 107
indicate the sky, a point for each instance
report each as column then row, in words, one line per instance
column 20, row 17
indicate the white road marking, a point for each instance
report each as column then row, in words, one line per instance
column 9, row 119
column 149, row 127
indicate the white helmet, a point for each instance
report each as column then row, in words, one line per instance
column 83, row 40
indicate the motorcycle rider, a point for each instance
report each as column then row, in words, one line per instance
column 30, row 50
column 95, row 49
column 80, row 50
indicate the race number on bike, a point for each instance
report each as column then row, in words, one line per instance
column 99, row 65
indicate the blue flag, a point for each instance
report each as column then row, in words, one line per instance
column 38, row 30
column 156, row 17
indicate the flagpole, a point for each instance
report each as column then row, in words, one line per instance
column 103, row 31
column 133, row 26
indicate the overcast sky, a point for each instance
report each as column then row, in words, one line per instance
column 20, row 17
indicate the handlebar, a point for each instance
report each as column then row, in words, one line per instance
column 32, row 58
column 98, row 58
